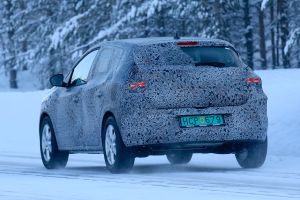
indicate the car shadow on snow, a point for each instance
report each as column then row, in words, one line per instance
column 167, row 168
column 159, row 168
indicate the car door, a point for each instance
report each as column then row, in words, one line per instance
column 98, row 90
column 69, row 108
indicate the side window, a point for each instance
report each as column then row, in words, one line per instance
column 103, row 61
column 118, row 54
column 81, row 71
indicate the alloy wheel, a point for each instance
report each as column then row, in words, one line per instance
column 110, row 144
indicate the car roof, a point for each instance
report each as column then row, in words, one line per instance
column 159, row 40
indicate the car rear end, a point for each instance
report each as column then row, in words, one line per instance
column 191, row 94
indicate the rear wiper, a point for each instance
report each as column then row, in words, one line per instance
column 215, row 64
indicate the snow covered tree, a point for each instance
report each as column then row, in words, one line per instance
column 8, row 30
column 262, row 37
column 248, row 33
column 47, row 36
column 292, row 46
column 284, row 29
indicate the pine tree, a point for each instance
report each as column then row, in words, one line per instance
column 9, row 29
column 48, row 36
column 248, row 33
column 262, row 38
column 272, row 23
column 284, row 29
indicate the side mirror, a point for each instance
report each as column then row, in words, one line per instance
column 57, row 80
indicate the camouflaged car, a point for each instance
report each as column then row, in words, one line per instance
column 155, row 96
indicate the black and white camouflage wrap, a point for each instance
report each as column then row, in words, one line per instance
column 150, row 115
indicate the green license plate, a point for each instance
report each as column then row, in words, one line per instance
column 202, row 120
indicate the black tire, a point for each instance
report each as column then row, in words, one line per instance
column 57, row 159
column 179, row 157
column 252, row 155
column 123, row 157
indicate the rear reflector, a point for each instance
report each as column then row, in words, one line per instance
column 187, row 43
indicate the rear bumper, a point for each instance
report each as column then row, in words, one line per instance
column 222, row 147
column 150, row 127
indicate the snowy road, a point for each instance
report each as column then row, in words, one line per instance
column 211, row 176
column 22, row 175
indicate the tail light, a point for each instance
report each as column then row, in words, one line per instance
column 141, row 84
column 254, row 80
column 137, row 85
column 133, row 86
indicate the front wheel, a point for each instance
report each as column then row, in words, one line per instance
column 180, row 157
column 118, row 158
column 252, row 155
column 52, row 157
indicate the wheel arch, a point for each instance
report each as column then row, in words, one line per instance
column 106, row 115
column 42, row 116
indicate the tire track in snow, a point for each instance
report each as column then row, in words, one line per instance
column 206, row 181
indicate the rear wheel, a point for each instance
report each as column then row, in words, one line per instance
column 52, row 157
column 118, row 158
column 179, row 157
column 252, row 155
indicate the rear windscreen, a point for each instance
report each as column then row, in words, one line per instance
column 164, row 54
column 170, row 54
column 213, row 56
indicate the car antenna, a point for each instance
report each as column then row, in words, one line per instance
column 176, row 36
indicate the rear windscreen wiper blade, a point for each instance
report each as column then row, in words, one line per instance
column 215, row 64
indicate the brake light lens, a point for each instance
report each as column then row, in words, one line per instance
column 254, row 80
column 137, row 85
column 188, row 43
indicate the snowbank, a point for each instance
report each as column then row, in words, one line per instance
column 19, row 121
column 283, row 90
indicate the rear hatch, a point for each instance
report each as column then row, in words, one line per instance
column 178, row 77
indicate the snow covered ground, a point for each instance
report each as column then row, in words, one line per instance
column 210, row 176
